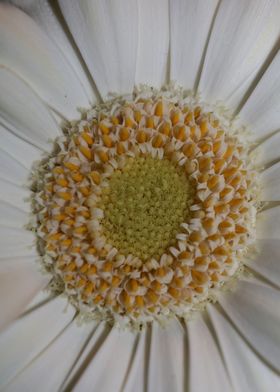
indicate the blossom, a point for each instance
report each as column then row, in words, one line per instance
column 97, row 97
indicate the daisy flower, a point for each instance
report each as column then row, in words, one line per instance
column 140, row 189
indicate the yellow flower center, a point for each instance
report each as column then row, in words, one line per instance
column 145, row 208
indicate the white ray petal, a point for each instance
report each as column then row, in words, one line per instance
column 23, row 112
column 266, row 262
column 14, row 194
column 10, row 169
column 268, row 151
column 164, row 373
column 136, row 375
column 153, row 43
column 270, row 180
column 20, row 280
column 31, row 334
column 16, row 242
column 268, row 223
column 244, row 34
column 246, row 370
column 106, row 34
column 207, row 371
column 47, row 372
column 27, row 50
column 190, row 23
column 22, row 152
column 99, row 335
column 44, row 14
column 262, row 109
column 121, row 343
column 254, row 310
column 12, row 216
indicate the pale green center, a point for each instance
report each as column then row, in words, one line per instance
column 144, row 206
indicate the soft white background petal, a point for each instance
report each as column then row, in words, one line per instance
column 27, row 50
column 267, row 261
column 106, row 33
column 207, row 371
column 10, row 169
column 254, row 310
column 115, row 352
column 30, row 334
column 270, row 183
column 23, row 112
column 268, row 223
column 190, row 23
column 261, row 112
column 136, row 375
column 246, row 370
column 20, row 280
column 94, row 344
column 47, row 372
column 243, row 36
column 16, row 243
column 268, row 151
column 16, row 157
column 46, row 15
column 14, row 194
column 12, row 216
column 153, row 43
column 166, row 373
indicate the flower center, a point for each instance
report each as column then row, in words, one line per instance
column 145, row 208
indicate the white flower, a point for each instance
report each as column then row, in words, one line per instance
column 58, row 58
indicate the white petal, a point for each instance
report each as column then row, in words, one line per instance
column 270, row 180
column 16, row 242
column 136, row 379
column 27, row 50
column 207, row 371
column 121, row 345
column 106, row 34
column 12, row 216
column 267, row 262
column 48, row 370
column 44, row 15
column 244, row 34
column 261, row 111
column 190, row 23
column 246, row 370
column 30, row 335
column 14, row 194
column 153, row 42
column 166, row 373
column 254, row 310
column 10, row 169
column 268, row 151
column 22, row 152
column 268, row 224
column 23, row 112
column 87, row 354
column 20, row 280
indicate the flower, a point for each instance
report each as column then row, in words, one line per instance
column 56, row 59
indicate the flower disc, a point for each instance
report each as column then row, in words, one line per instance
column 145, row 208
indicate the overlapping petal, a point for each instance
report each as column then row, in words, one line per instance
column 153, row 43
column 29, row 52
column 253, row 308
column 107, row 35
column 243, row 36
